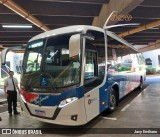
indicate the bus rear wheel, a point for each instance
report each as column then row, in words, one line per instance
column 140, row 84
column 113, row 101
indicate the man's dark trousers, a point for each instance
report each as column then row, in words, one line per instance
column 12, row 98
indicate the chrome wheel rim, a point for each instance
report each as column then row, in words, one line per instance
column 112, row 102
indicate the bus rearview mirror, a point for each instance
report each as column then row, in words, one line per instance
column 6, row 50
column 3, row 56
column 74, row 45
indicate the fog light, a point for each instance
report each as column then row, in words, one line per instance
column 74, row 117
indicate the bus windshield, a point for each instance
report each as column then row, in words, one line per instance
column 34, row 56
column 49, row 65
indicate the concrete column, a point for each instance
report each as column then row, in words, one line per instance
column 122, row 6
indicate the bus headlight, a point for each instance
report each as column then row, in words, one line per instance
column 23, row 98
column 67, row 101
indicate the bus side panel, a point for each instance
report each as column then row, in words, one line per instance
column 92, row 103
column 77, row 109
column 127, row 81
column 104, row 98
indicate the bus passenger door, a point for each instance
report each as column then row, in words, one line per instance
column 94, row 57
column 91, row 82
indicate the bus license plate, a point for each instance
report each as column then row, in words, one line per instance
column 40, row 113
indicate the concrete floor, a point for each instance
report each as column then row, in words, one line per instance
column 140, row 109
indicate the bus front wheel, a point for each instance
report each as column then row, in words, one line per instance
column 113, row 101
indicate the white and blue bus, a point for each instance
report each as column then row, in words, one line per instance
column 72, row 74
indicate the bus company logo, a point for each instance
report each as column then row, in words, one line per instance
column 39, row 100
column 121, row 17
column 91, row 100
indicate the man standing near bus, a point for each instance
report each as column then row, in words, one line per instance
column 10, row 86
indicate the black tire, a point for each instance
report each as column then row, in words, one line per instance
column 140, row 84
column 113, row 101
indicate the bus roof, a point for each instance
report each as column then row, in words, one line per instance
column 67, row 29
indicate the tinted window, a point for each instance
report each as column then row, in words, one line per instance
column 121, row 58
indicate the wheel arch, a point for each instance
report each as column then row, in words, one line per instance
column 116, row 89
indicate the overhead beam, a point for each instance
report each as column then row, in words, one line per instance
column 141, row 28
column 23, row 13
column 64, row 21
column 143, row 12
column 151, row 46
column 77, row 1
column 54, row 8
column 121, row 6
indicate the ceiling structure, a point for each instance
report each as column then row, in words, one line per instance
column 44, row 15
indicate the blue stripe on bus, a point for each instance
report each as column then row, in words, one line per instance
column 103, row 98
column 54, row 100
column 104, row 91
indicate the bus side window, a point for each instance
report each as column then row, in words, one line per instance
column 101, row 71
column 90, row 67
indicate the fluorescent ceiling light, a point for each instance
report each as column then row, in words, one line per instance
column 16, row 26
